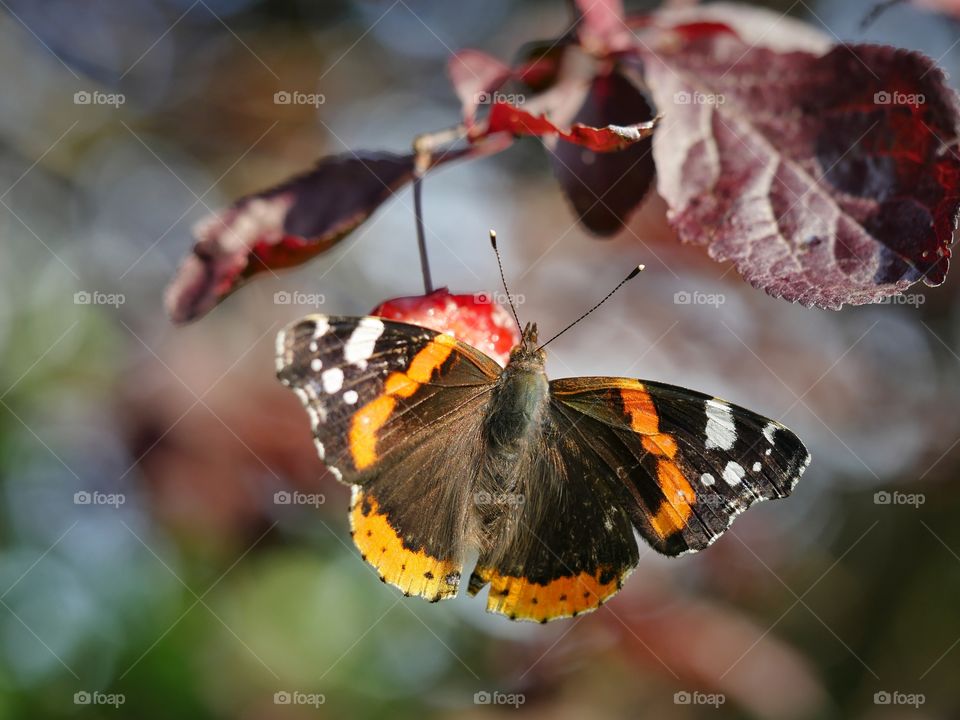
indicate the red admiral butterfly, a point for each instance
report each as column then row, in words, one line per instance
column 552, row 481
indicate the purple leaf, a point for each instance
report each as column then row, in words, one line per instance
column 825, row 179
column 604, row 188
column 282, row 226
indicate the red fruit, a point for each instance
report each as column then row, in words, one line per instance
column 475, row 319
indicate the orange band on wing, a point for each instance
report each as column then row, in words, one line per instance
column 660, row 444
column 638, row 405
column 369, row 419
column 414, row 572
column 678, row 495
column 521, row 599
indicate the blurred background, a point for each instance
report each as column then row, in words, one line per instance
column 148, row 567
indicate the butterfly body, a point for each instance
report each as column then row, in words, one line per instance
column 518, row 411
column 552, row 483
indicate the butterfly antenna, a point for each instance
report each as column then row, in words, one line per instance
column 493, row 242
column 633, row 273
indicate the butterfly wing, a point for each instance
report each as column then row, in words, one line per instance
column 619, row 459
column 567, row 544
column 687, row 464
column 396, row 411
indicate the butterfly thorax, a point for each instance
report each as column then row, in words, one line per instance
column 518, row 408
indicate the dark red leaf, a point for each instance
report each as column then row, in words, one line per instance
column 604, row 188
column 819, row 177
column 476, row 319
column 282, row 226
column 507, row 118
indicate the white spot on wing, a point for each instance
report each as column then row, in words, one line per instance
column 350, row 397
column 360, row 344
column 733, row 473
column 321, row 326
column 321, row 451
column 721, row 434
column 336, row 473
column 707, row 479
column 332, row 380
column 316, row 364
column 756, row 467
column 281, row 351
column 768, row 431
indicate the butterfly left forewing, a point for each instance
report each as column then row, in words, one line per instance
column 688, row 463
column 396, row 411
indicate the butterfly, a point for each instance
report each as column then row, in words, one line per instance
column 554, row 483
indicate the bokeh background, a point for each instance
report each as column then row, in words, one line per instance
column 186, row 588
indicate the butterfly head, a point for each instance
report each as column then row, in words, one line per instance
column 528, row 353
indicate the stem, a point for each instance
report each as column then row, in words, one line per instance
column 421, row 237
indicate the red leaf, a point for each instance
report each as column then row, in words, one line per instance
column 507, row 118
column 604, row 188
column 282, row 226
column 474, row 319
column 793, row 167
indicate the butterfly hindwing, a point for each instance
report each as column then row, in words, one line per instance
column 387, row 403
column 687, row 463
column 565, row 542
